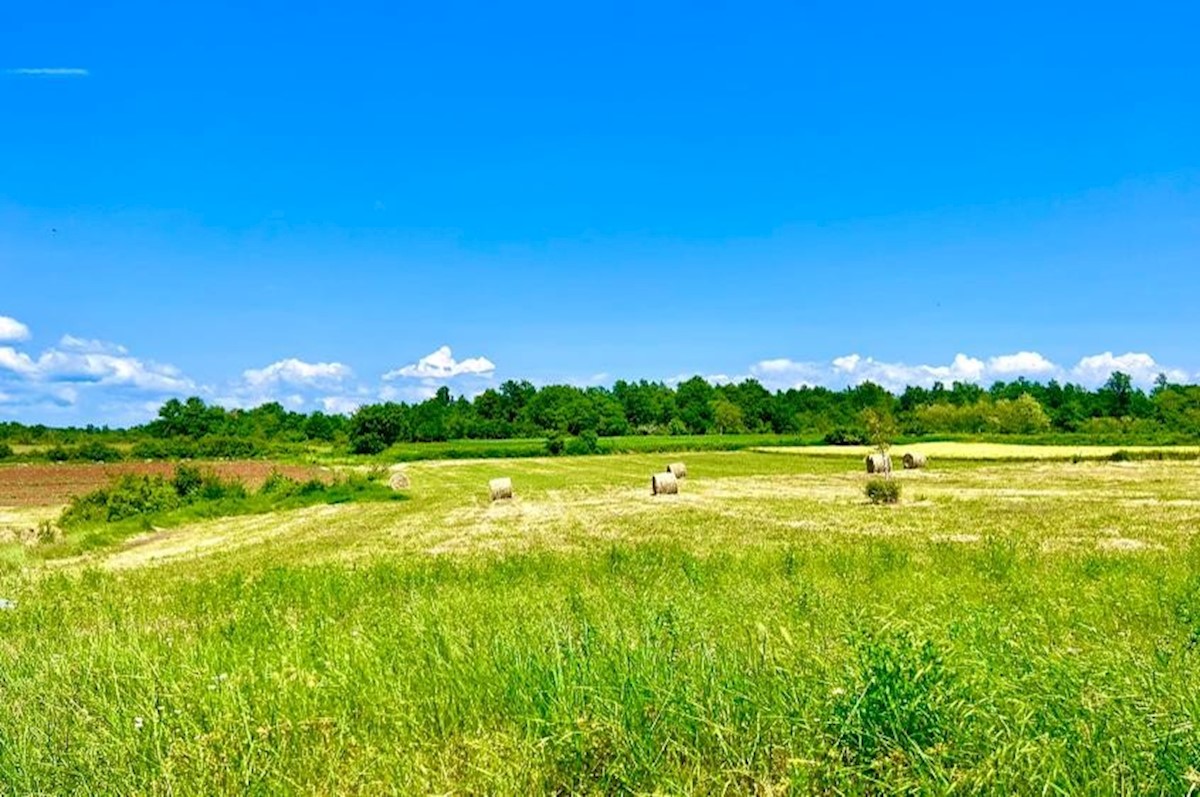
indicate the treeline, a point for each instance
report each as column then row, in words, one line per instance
column 696, row 407
column 517, row 409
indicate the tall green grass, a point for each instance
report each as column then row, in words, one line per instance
column 851, row 668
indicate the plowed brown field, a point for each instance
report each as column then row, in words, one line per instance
column 47, row 485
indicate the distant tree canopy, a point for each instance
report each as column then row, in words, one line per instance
column 518, row 409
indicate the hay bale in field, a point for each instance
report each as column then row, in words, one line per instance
column 501, row 489
column 879, row 463
column 398, row 480
column 914, row 460
column 678, row 470
column 664, row 484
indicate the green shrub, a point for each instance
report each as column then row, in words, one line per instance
column 214, row 488
column 368, row 443
column 95, row 451
column 279, row 485
column 58, row 454
column 126, row 496
column 187, row 480
column 228, row 448
column 588, row 442
column 5, row 450
column 882, row 491
column 164, row 449
column 312, row 487
column 845, row 437
column 554, row 444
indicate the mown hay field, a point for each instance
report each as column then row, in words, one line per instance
column 1003, row 451
column 1008, row 627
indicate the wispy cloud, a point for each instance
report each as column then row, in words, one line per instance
column 48, row 71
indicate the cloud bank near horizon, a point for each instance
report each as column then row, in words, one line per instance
column 79, row 380
column 851, row 369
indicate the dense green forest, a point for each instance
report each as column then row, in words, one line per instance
column 1118, row 411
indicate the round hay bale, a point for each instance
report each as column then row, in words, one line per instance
column 678, row 470
column 501, row 489
column 664, row 484
column 914, row 460
column 879, row 463
column 398, row 480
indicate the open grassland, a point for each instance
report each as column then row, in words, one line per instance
column 1010, row 627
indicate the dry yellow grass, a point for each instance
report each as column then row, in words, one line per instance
column 982, row 451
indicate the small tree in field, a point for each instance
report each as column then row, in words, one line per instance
column 881, row 430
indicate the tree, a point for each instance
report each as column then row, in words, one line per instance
column 376, row 426
column 191, row 418
column 1117, row 392
column 1022, row 415
column 727, row 416
column 694, row 398
column 881, row 430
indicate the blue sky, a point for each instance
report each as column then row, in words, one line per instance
column 254, row 201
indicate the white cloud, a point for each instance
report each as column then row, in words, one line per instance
column 48, row 71
column 296, row 372
column 783, row 373
column 91, row 378
column 292, row 382
column 1023, row 363
column 340, row 405
column 99, row 367
column 12, row 330
column 16, row 361
column 846, row 363
column 1142, row 368
column 854, row 368
column 421, row 391
column 441, row 364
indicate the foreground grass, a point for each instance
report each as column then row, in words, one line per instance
column 767, row 631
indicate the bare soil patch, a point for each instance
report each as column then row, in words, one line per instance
column 53, row 484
